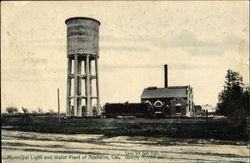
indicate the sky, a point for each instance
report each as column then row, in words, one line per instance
column 199, row 41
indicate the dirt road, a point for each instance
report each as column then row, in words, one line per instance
column 38, row 147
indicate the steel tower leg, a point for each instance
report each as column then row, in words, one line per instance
column 68, row 99
column 87, row 87
column 75, row 85
column 79, row 85
column 97, row 88
column 90, row 90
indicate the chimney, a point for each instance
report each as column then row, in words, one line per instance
column 166, row 75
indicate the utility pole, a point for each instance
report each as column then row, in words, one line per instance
column 58, row 99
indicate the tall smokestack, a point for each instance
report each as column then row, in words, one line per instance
column 166, row 75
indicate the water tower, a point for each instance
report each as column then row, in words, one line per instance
column 82, row 75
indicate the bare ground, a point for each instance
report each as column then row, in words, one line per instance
column 20, row 146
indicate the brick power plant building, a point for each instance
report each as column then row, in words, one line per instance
column 178, row 100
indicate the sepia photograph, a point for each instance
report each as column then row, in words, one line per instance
column 125, row 81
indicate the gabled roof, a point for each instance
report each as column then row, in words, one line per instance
column 170, row 92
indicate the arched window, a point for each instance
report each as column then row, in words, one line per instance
column 158, row 103
column 178, row 108
column 148, row 102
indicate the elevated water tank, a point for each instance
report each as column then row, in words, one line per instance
column 82, row 36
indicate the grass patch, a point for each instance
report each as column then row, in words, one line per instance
column 189, row 130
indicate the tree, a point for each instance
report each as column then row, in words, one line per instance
column 51, row 111
column 247, row 100
column 231, row 99
column 34, row 111
column 40, row 110
column 11, row 109
column 27, row 118
column 25, row 110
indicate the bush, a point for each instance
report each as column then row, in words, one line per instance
column 11, row 109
